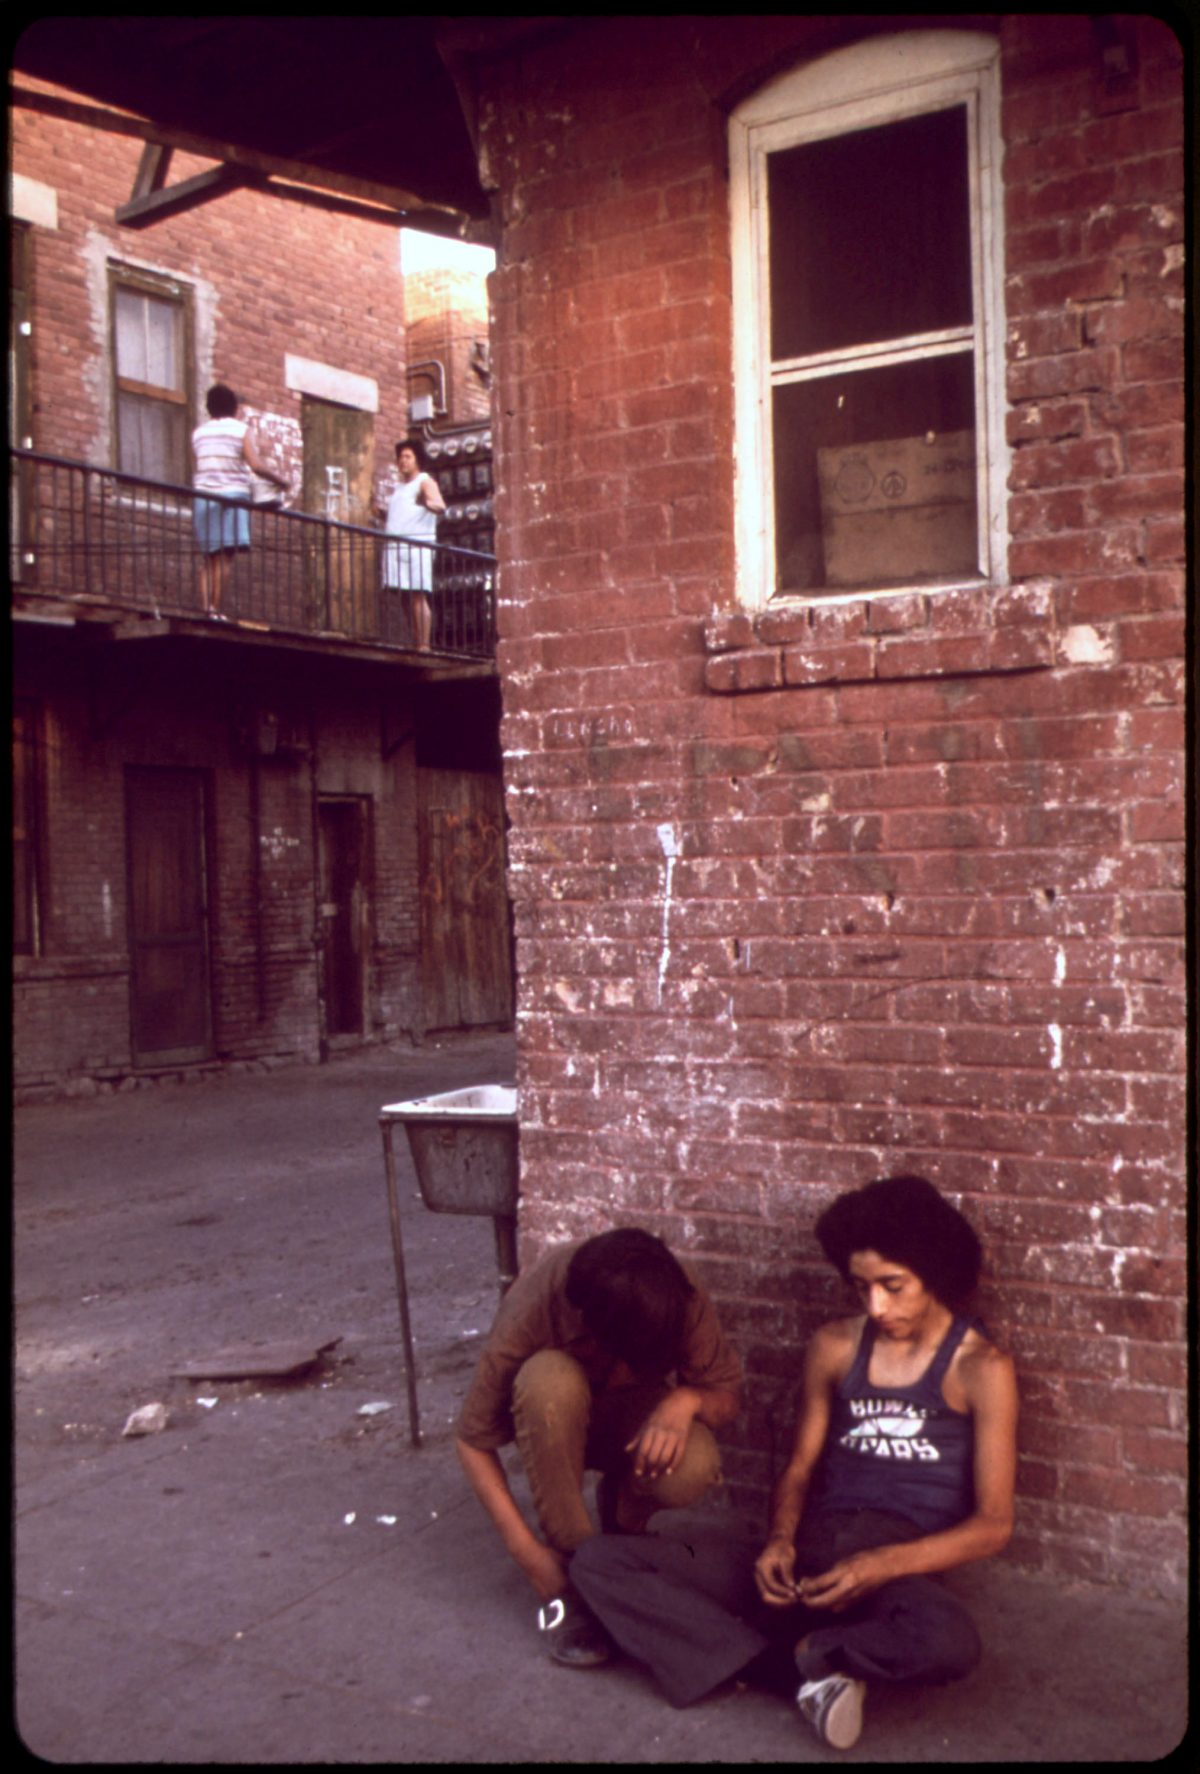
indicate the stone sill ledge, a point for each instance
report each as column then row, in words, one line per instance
column 955, row 633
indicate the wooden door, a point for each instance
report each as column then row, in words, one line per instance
column 170, row 990
column 466, row 941
column 344, row 913
column 337, row 482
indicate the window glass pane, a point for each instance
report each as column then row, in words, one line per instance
column 149, row 336
column 150, row 438
column 870, row 235
column 18, row 256
column 162, row 344
column 131, row 335
column 875, row 476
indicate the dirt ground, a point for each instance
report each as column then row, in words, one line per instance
column 278, row 1576
column 252, row 1209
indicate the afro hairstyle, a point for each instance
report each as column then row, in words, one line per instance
column 906, row 1220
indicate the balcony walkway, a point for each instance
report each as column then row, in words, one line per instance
column 90, row 543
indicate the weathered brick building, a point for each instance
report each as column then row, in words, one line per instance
column 839, row 391
column 846, row 853
column 259, row 841
column 449, row 362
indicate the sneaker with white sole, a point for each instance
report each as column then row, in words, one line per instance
column 833, row 1706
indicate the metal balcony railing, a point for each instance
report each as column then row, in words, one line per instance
column 90, row 533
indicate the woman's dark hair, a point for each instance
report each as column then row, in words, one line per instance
column 222, row 402
column 906, row 1220
column 633, row 1296
column 418, row 449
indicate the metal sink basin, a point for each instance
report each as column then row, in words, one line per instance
column 464, row 1148
column 464, row 1151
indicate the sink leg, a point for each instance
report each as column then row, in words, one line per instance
column 505, row 1226
column 410, row 1378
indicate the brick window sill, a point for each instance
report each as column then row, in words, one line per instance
column 968, row 632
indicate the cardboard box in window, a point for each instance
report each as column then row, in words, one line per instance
column 899, row 510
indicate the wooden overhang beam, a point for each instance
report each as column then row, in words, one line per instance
column 172, row 200
column 152, row 198
column 269, row 173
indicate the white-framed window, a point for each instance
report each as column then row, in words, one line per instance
column 867, row 228
column 152, row 375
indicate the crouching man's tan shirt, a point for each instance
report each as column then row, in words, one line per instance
column 535, row 1314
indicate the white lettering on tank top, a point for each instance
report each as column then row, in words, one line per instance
column 890, row 1430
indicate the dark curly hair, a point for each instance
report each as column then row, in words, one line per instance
column 906, row 1220
column 634, row 1297
column 418, row 449
column 221, row 401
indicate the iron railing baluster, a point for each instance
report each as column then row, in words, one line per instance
column 130, row 542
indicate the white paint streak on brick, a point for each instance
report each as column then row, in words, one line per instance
column 668, row 838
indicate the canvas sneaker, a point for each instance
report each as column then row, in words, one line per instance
column 833, row 1706
column 573, row 1634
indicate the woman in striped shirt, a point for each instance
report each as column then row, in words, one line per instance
column 226, row 457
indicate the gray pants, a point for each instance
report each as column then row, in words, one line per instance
column 689, row 1610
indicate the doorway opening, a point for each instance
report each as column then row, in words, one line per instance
column 344, row 825
column 170, row 984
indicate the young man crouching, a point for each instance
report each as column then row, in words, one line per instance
column 903, row 1467
column 605, row 1355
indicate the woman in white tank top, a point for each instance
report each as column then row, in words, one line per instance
column 412, row 513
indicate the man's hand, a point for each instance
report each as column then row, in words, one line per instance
column 658, row 1446
column 546, row 1570
column 846, row 1582
column 773, row 1572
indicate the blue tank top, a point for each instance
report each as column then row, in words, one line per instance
column 899, row 1448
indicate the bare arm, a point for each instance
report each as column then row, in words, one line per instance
column 545, row 1568
column 258, row 461
column 990, row 1383
column 775, row 1566
column 431, row 494
column 659, row 1443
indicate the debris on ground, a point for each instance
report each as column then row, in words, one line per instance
column 149, row 1419
column 273, row 1361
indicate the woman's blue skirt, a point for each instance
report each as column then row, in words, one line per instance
column 221, row 524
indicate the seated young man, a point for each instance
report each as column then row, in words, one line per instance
column 604, row 1355
column 903, row 1466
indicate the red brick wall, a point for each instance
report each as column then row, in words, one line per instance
column 270, row 276
column 446, row 317
column 927, row 909
column 71, row 1024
